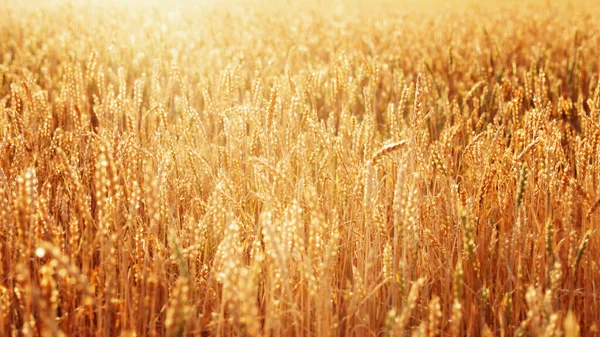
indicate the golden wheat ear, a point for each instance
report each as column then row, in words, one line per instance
column 387, row 149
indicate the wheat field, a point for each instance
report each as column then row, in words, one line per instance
column 280, row 168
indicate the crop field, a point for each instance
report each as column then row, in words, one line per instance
column 299, row 168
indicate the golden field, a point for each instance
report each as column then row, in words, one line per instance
column 280, row 168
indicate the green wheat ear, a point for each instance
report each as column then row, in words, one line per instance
column 581, row 249
column 178, row 253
